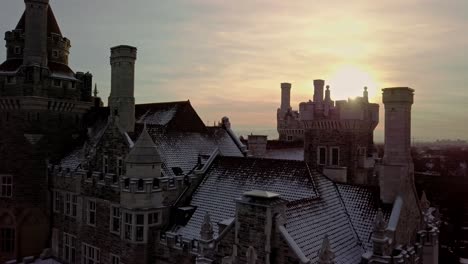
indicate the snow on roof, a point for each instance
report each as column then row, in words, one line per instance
column 161, row 117
column 286, row 153
column 362, row 205
column 73, row 160
column 229, row 177
column 309, row 222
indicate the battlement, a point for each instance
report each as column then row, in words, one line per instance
column 57, row 41
column 45, row 2
column 123, row 53
column 14, row 35
column 398, row 95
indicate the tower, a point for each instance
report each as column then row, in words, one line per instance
column 318, row 90
column 397, row 169
column 35, row 50
column 121, row 99
column 285, row 97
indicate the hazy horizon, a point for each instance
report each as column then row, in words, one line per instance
column 229, row 58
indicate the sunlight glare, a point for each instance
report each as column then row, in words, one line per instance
column 349, row 81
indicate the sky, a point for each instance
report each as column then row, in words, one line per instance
column 229, row 57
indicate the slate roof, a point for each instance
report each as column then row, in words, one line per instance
column 144, row 151
column 52, row 25
column 229, row 177
column 316, row 205
column 362, row 204
column 11, row 65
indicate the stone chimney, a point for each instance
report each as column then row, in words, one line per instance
column 35, row 49
column 257, row 145
column 325, row 254
column 121, row 99
column 255, row 228
column 285, row 97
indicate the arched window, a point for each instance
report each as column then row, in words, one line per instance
column 140, row 184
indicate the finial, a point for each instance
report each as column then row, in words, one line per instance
column 328, row 87
column 365, row 88
column 95, row 90
column 379, row 223
column 325, row 254
column 424, row 202
column 206, row 232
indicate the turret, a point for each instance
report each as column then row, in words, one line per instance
column 285, row 97
column 121, row 99
column 327, row 94
column 397, row 103
column 35, row 51
column 318, row 90
column 365, row 95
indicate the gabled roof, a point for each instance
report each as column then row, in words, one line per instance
column 11, row 65
column 52, row 25
column 229, row 177
column 144, row 151
column 173, row 116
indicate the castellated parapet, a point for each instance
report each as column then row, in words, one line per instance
column 121, row 99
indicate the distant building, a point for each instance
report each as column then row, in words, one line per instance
column 150, row 183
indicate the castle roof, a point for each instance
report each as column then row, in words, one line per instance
column 52, row 25
column 316, row 206
column 144, row 151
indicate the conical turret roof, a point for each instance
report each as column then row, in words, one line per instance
column 52, row 25
column 144, row 151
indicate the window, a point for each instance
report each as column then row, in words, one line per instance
column 153, row 218
column 171, row 182
column 55, row 53
column 90, row 255
column 128, row 226
column 119, row 167
column 57, row 83
column 156, row 183
column 73, row 85
column 140, row 227
column 57, row 201
column 115, row 259
column 67, row 204
column 362, row 151
column 74, row 205
column 7, row 240
column 127, row 183
column 141, row 184
column 115, row 219
column 335, row 156
column 10, row 80
column 91, row 215
column 321, row 155
column 6, row 183
column 17, row 50
column 105, row 164
column 69, row 248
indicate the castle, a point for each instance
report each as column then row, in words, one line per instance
column 151, row 183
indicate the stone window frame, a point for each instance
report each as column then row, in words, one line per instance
column 140, row 227
column 17, row 50
column 55, row 53
column 105, row 164
column 71, row 204
column 332, row 163
column 114, row 259
column 6, row 186
column 69, row 247
column 7, row 241
column 90, row 211
column 319, row 161
column 57, row 82
column 10, row 79
column 132, row 225
column 362, row 151
column 119, row 166
column 128, row 226
column 58, row 199
column 90, row 254
column 152, row 216
column 118, row 217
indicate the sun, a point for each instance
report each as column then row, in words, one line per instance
column 349, row 81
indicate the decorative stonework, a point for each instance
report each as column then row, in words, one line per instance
column 325, row 254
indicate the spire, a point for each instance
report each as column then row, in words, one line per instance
column 379, row 223
column 144, row 151
column 206, row 232
column 365, row 95
column 327, row 94
column 325, row 254
column 95, row 90
column 424, row 202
